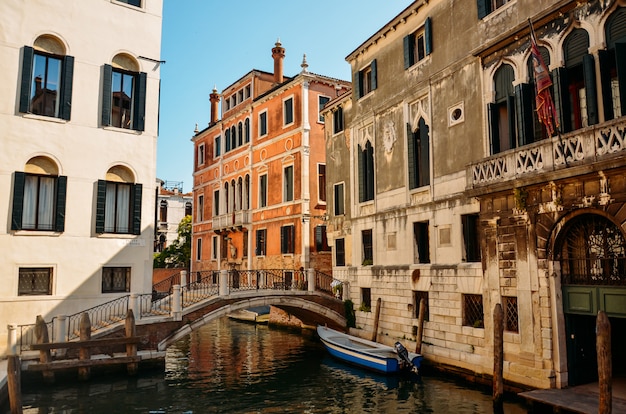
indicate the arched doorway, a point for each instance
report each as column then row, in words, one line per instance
column 592, row 254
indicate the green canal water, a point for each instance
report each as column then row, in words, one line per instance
column 233, row 367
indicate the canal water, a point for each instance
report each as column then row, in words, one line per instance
column 234, row 367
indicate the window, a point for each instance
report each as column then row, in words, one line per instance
column 471, row 240
column 288, row 183
column 244, row 249
column 163, row 211
column 227, row 139
column 217, row 147
column 136, row 3
column 419, row 155
column 613, row 72
column 486, row 7
column 115, row 279
column 288, row 111
column 368, row 251
column 340, row 252
column 201, row 154
column 287, row 239
column 263, row 191
column 338, row 201
column 240, row 134
column 233, row 137
column 322, row 101
column 247, row 91
column 365, row 80
column 263, row 123
column 510, row 313
column 418, row 45
column 246, row 130
column 214, row 249
column 417, row 297
column 38, row 202
column 529, row 127
column 198, row 249
column 366, row 172
column 261, row 238
column 421, row 243
column 34, row 281
column 321, row 242
column 188, row 208
column 338, row 120
column 473, row 314
column 200, row 210
column 321, row 182
column 366, row 300
column 118, row 209
column 124, row 95
column 502, row 111
column 216, row 202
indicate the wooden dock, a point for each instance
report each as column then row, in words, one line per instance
column 581, row 399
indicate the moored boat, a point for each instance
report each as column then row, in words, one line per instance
column 369, row 354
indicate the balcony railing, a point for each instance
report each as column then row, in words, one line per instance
column 584, row 146
column 232, row 219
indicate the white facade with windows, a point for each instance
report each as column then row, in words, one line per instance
column 78, row 128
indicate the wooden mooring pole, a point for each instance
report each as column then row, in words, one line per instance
column 498, row 357
column 84, row 353
column 375, row 333
column 605, row 373
column 420, row 326
column 14, row 370
column 41, row 333
column 131, row 348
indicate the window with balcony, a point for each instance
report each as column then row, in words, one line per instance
column 365, row 80
column 418, row 45
column 502, row 111
column 216, row 202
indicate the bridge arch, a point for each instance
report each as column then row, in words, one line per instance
column 310, row 307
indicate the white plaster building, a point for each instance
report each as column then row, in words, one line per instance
column 78, row 133
column 172, row 206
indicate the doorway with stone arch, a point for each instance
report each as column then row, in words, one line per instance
column 591, row 250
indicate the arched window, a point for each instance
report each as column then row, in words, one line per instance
column 124, row 94
column 366, row 172
column 233, row 137
column 532, row 129
column 247, row 130
column 227, row 139
column 118, row 206
column 593, row 252
column 502, row 111
column 418, row 155
column 246, row 192
column 240, row 134
column 239, row 200
column 233, row 195
column 188, row 208
column 613, row 65
column 226, row 199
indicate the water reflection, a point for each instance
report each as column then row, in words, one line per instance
column 233, row 367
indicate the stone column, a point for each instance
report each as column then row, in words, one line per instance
column 12, row 339
column 311, row 280
column 224, row 291
column 177, row 306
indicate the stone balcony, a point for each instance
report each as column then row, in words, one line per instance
column 235, row 219
column 586, row 150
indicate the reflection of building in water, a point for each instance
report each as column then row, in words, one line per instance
column 171, row 207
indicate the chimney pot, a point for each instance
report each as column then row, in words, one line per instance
column 278, row 53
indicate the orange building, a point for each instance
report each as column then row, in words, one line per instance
column 260, row 173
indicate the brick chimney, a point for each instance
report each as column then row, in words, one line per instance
column 278, row 53
column 215, row 99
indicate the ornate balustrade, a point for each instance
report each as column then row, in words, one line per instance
column 232, row 219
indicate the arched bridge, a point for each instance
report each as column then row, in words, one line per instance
column 179, row 306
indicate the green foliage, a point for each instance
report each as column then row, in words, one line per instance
column 177, row 254
column 350, row 315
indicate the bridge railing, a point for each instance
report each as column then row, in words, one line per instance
column 154, row 304
column 164, row 287
column 101, row 316
column 206, row 284
column 27, row 335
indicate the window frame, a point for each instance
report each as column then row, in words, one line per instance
column 57, row 203
column 288, row 111
column 260, row 242
column 339, row 204
column 200, row 209
column 263, row 126
column 22, row 273
column 421, row 242
column 288, row 239
column 201, row 155
column 217, row 146
column 288, row 183
column 412, row 42
column 340, row 252
column 366, row 80
column 320, row 107
column 134, row 213
column 138, row 99
column 338, row 121
column 367, row 247
column 127, row 270
column 199, row 249
column 263, row 181
column 321, row 184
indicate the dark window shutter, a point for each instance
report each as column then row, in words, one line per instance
column 510, row 110
column 136, row 209
column 374, row 75
column 494, row 131
column 59, row 222
column 424, row 153
column 604, row 59
column 227, row 139
column 66, row 88
column 410, row 144
column 620, row 58
column 27, row 75
column 100, row 204
column 524, row 113
column 428, row 38
column 283, row 240
column 561, row 98
column 357, row 83
column 362, row 159
column 589, row 71
column 408, row 51
column 18, row 200
column 139, row 116
column 107, row 79
column 484, row 8
column 319, row 243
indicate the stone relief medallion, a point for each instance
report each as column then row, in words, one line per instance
column 263, row 154
column 246, row 161
column 289, row 144
column 236, row 165
column 389, row 136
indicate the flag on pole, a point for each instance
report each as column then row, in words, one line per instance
column 545, row 106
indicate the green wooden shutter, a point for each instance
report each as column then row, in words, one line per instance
column 27, row 75
column 620, row 58
column 67, row 76
column 100, row 205
column 356, row 84
column 139, row 115
column 524, row 113
column 283, row 240
column 374, row 75
column 484, row 8
column 59, row 222
column 18, row 200
column 510, row 111
column 494, row 131
column 408, row 51
column 428, row 38
column 424, row 153
column 589, row 71
column 605, row 83
column 136, row 209
column 410, row 145
column 107, row 80
column 561, row 98
column 361, row 167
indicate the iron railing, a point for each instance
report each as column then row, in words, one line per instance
column 100, row 316
column 165, row 286
column 204, row 288
column 27, row 335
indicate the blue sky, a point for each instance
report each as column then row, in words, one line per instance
column 208, row 44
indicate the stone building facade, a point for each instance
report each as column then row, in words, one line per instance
column 260, row 171
column 172, row 205
column 78, row 129
column 446, row 187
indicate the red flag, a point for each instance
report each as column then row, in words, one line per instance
column 545, row 106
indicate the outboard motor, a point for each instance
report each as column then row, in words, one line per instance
column 404, row 356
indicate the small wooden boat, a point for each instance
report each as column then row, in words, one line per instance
column 368, row 354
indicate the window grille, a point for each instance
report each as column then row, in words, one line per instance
column 473, row 314
column 510, row 314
